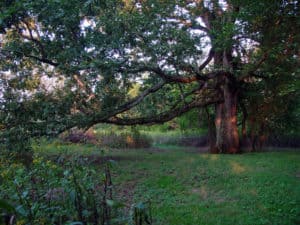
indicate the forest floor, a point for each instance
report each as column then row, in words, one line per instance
column 188, row 187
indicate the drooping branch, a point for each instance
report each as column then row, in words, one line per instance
column 112, row 117
column 104, row 115
column 162, row 117
column 175, row 110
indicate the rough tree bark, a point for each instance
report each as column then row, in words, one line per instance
column 227, row 137
column 211, row 131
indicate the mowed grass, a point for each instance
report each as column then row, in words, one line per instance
column 189, row 188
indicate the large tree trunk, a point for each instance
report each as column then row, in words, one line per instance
column 227, row 137
column 211, row 131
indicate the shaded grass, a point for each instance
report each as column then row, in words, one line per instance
column 191, row 188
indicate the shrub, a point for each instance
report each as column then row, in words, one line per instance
column 79, row 136
column 133, row 139
column 49, row 193
column 124, row 140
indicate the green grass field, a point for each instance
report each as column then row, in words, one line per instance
column 189, row 188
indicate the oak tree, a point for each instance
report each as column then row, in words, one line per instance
column 74, row 63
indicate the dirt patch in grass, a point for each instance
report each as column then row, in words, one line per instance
column 125, row 192
column 208, row 195
column 202, row 191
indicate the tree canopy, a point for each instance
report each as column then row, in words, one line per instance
column 75, row 63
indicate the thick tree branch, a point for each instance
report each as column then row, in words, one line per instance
column 162, row 117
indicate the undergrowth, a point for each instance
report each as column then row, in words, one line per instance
column 65, row 192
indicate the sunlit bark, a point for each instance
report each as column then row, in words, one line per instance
column 227, row 137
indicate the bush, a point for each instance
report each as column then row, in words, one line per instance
column 127, row 139
column 79, row 136
column 50, row 193
column 124, row 140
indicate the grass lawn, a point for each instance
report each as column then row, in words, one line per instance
column 190, row 188
column 186, row 187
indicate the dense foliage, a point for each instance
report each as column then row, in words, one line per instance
column 78, row 63
column 66, row 192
